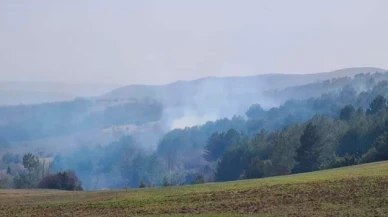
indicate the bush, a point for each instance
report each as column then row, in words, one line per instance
column 142, row 184
column 165, row 182
column 379, row 151
column 255, row 169
column 231, row 165
column 66, row 180
column 369, row 157
column 198, row 179
column 263, row 168
column 381, row 146
column 5, row 181
column 22, row 181
column 347, row 160
column 50, row 182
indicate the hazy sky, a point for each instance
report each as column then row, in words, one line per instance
column 145, row 41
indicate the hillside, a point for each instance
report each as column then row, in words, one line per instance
column 227, row 85
column 360, row 82
column 351, row 191
column 233, row 94
column 22, row 123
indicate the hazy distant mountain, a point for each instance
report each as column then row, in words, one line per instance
column 229, row 92
column 16, row 92
column 15, row 97
column 223, row 91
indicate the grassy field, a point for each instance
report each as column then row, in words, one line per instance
column 352, row 191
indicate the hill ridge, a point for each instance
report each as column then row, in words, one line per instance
column 261, row 82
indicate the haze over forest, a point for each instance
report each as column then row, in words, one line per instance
column 167, row 93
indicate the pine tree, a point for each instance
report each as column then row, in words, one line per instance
column 377, row 105
column 307, row 154
column 9, row 170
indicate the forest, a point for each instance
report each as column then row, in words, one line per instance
column 38, row 121
column 346, row 125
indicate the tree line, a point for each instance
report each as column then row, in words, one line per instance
column 356, row 136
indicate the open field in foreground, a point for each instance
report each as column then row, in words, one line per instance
column 352, row 191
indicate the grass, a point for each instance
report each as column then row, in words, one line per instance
column 352, row 191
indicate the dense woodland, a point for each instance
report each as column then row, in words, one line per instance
column 346, row 125
column 29, row 122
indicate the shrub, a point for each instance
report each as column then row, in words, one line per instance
column 347, row 160
column 379, row 151
column 263, row 168
column 66, row 180
column 5, row 181
column 165, row 183
column 142, row 184
column 255, row 169
column 22, row 181
column 50, row 182
column 369, row 157
column 198, row 179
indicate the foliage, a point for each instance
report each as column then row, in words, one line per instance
column 256, row 169
column 370, row 156
column 320, row 142
column 65, row 180
column 219, row 142
column 179, row 145
column 142, row 184
column 342, row 130
column 165, row 182
column 31, row 178
column 377, row 105
column 255, row 111
column 307, row 154
column 381, row 147
column 303, row 134
column 231, row 164
column 122, row 163
column 198, row 179
column 23, row 181
column 30, row 162
column 347, row 112
column 347, row 160
column 5, row 181
column 29, row 122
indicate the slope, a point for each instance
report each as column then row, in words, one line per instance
column 351, row 191
column 233, row 94
column 257, row 83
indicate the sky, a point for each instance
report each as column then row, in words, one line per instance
column 156, row 42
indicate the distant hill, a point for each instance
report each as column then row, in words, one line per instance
column 230, row 93
column 358, row 83
column 38, row 121
column 17, row 92
column 239, row 84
